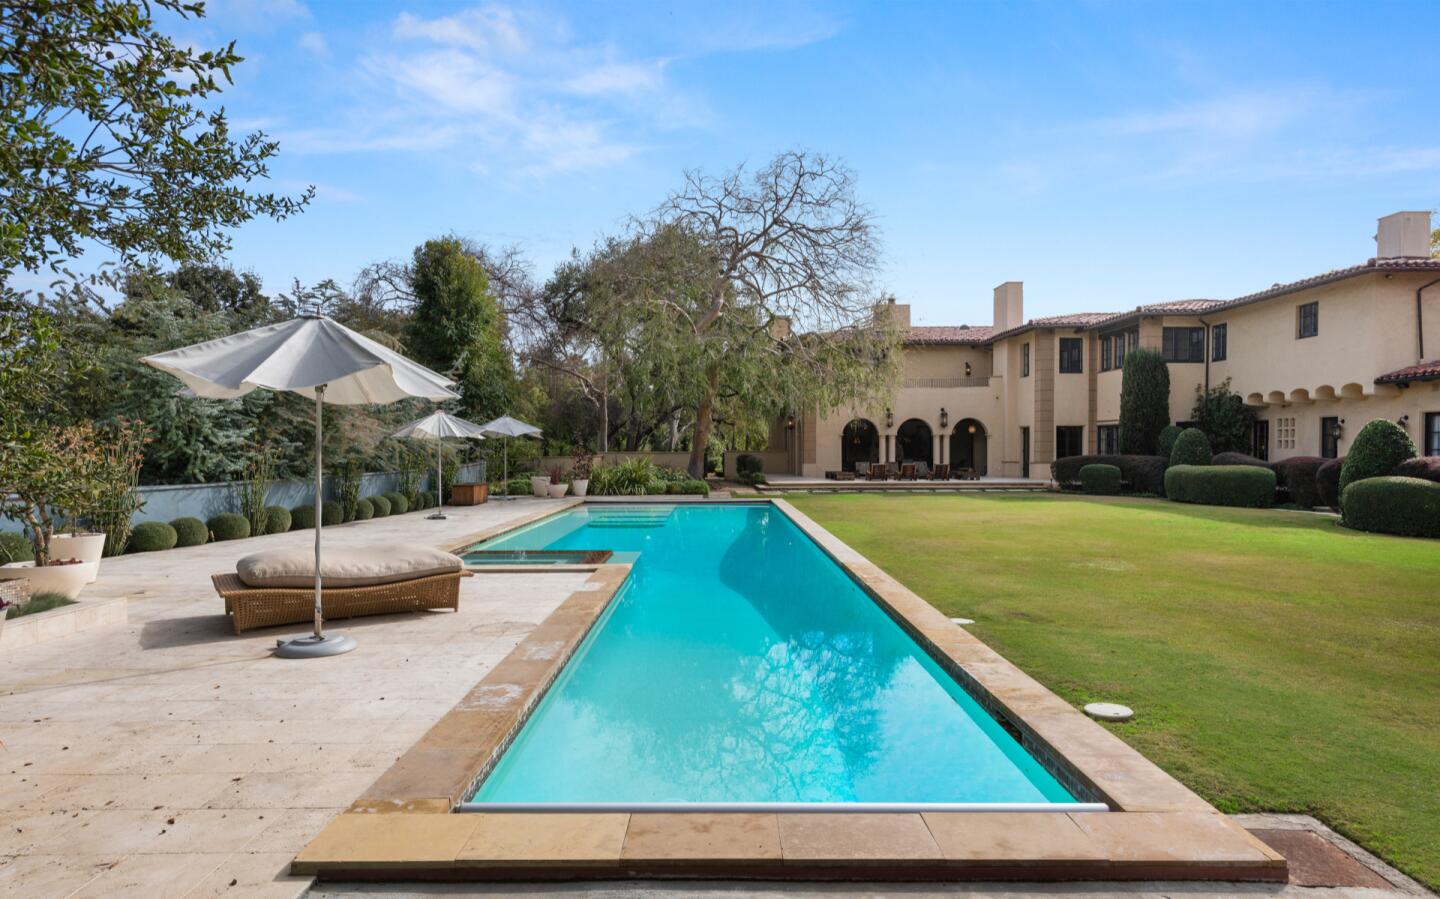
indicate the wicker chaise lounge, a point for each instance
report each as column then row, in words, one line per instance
column 278, row 586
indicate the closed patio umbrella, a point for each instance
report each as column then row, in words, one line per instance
column 440, row 426
column 507, row 427
column 313, row 356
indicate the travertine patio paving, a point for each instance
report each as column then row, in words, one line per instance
column 170, row 757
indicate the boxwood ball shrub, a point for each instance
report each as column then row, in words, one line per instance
column 1327, row 482
column 1192, row 447
column 399, row 505
column 1427, row 468
column 381, row 504
column 190, row 532
column 331, row 513
column 302, row 517
column 1168, row 436
column 1099, row 479
column 746, row 463
column 277, row 519
column 15, row 548
column 364, row 509
column 1221, row 485
column 229, row 526
column 1409, row 507
column 1376, row 450
column 150, row 536
column 1298, row 476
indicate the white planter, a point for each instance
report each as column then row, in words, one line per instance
column 67, row 580
column 557, row 490
column 540, row 486
column 89, row 547
column 581, row 486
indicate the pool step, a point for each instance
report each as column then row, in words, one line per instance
column 639, row 516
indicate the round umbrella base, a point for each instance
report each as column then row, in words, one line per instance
column 313, row 647
column 436, row 517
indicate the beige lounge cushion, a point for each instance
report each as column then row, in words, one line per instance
column 365, row 566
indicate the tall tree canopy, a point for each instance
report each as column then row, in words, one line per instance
column 106, row 137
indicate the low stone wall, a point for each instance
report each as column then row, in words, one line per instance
column 41, row 627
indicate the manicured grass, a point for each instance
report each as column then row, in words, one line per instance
column 1276, row 661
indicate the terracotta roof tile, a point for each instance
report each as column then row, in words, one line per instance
column 1424, row 371
column 958, row 334
column 1401, row 264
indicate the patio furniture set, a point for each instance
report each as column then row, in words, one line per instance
column 903, row 471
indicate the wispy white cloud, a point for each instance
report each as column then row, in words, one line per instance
column 314, row 42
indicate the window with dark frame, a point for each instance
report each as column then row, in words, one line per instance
column 1218, row 335
column 1260, row 440
column 1108, row 439
column 1072, row 355
column 1069, row 441
column 1119, row 350
column 1105, row 354
column 1432, row 433
column 1024, row 360
column 1330, row 437
column 1183, row 345
column 1307, row 320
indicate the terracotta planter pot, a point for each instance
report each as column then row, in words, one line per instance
column 540, row 486
column 88, row 547
column 557, row 490
column 67, row 580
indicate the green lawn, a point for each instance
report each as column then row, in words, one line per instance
column 1276, row 661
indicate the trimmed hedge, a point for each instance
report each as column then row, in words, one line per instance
column 745, row 463
column 381, row 504
column 1192, row 447
column 399, row 505
column 1426, row 468
column 1297, row 475
column 687, row 487
column 229, row 526
column 1143, row 474
column 751, row 478
column 364, row 509
column 302, row 518
column 1376, row 450
column 1168, row 436
column 1327, row 482
column 331, row 513
column 1239, row 459
column 151, row 536
column 277, row 519
column 190, row 532
column 1409, row 507
column 1221, row 485
column 1099, row 479
column 15, row 548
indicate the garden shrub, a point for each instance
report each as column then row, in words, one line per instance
column 331, row 513
column 687, row 487
column 1327, row 482
column 521, row 486
column 229, row 526
column 152, row 536
column 1099, row 479
column 1297, row 475
column 1233, row 458
column 632, row 477
column 1427, row 468
column 1144, row 401
column 399, row 505
column 190, row 532
column 746, row 463
column 1376, row 450
column 1142, row 474
column 1409, row 507
column 277, row 519
column 381, row 504
column 421, row 500
column 15, row 548
column 1192, row 447
column 751, row 478
column 364, row 509
column 1168, row 436
column 1221, row 485
column 302, row 518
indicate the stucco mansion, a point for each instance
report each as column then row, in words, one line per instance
column 1316, row 359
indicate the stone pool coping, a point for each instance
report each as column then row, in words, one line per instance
column 402, row 828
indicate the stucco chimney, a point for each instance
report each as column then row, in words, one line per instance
column 1403, row 235
column 780, row 327
column 899, row 313
column 1009, row 305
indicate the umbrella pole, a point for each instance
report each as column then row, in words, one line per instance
column 439, row 480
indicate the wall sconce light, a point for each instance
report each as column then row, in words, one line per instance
column 944, row 418
column 790, row 423
column 1404, row 422
column 889, row 418
column 971, row 429
column 967, row 369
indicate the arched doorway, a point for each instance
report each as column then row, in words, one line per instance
column 859, row 442
column 914, row 442
column 967, row 446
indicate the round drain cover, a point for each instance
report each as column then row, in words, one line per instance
column 1109, row 711
column 963, row 620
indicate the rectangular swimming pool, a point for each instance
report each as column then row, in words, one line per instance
column 741, row 665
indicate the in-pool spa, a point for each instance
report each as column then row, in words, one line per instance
column 741, row 665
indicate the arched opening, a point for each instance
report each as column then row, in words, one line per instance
column 914, row 442
column 859, row 442
column 967, row 446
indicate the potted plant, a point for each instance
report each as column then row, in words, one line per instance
column 540, row 485
column 557, row 486
column 580, row 471
column 50, row 474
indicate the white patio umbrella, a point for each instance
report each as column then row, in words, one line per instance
column 313, row 356
column 440, row 426
column 508, row 427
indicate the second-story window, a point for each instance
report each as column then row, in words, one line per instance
column 1183, row 344
column 1218, row 334
column 1307, row 320
column 1119, row 350
column 1105, row 354
column 1072, row 355
column 1024, row 360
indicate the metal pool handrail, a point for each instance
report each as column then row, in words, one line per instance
column 786, row 807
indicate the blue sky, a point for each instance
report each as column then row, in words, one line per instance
column 1106, row 154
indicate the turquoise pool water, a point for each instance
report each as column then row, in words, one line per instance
column 740, row 664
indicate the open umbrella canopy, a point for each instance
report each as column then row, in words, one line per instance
column 299, row 355
column 442, row 426
column 505, row 426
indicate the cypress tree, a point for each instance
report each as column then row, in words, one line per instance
column 1144, row 402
